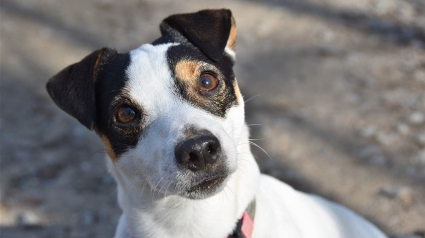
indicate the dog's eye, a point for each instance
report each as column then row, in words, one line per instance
column 207, row 82
column 125, row 114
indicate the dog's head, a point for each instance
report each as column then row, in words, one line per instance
column 169, row 113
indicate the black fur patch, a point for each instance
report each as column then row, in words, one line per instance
column 109, row 97
column 208, row 30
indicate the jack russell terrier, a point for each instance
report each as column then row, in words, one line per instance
column 171, row 118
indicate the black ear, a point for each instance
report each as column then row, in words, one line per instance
column 72, row 89
column 209, row 30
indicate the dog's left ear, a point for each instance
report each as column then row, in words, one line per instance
column 72, row 89
column 211, row 31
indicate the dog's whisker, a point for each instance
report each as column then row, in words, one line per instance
column 256, row 139
column 129, row 188
column 242, row 162
column 166, row 189
column 245, row 143
column 265, row 152
column 242, row 168
column 226, row 196
column 243, row 153
column 250, row 162
column 248, row 125
column 153, row 190
column 144, row 185
column 165, row 195
column 230, row 191
column 159, row 191
column 249, row 99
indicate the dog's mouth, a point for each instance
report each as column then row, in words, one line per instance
column 208, row 184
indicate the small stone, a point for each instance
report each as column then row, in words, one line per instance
column 406, row 11
column 411, row 171
column 28, row 219
column 328, row 36
column 326, row 51
column 368, row 152
column 378, row 160
column 390, row 192
column 403, row 194
column 419, row 76
column 46, row 33
column 384, row 139
column 418, row 44
column 416, row 118
column 368, row 131
column 420, row 139
column 403, row 129
column 383, row 7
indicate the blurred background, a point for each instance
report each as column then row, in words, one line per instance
column 335, row 94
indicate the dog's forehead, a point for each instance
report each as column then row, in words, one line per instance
column 150, row 78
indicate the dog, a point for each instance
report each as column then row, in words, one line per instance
column 171, row 118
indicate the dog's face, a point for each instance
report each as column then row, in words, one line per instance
column 169, row 113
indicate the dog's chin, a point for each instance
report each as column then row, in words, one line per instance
column 205, row 189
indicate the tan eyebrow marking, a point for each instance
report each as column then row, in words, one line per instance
column 187, row 71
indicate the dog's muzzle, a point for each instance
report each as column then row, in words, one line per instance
column 201, row 152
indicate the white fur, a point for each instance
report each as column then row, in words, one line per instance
column 230, row 52
column 149, row 180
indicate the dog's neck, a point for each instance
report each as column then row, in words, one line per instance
column 148, row 213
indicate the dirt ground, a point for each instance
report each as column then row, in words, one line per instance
column 335, row 94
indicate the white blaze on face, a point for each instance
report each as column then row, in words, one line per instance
column 165, row 117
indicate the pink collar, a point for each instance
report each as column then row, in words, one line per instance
column 245, row 224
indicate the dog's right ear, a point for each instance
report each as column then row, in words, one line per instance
column 210, row 30
column 72, row 89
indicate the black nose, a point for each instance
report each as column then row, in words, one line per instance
column 199, row 152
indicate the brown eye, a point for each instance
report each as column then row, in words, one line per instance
column 125, row 114
column 207, row 82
